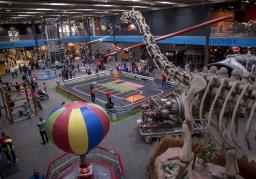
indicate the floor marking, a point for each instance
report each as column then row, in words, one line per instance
column 102, row 101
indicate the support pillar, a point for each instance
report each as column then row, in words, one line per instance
column 69, row 26
column 89, row 34
column 206, row 50
column 34, row 34
column 61, row 27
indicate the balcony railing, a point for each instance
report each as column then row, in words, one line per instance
column 235, row 30
column 21, row 37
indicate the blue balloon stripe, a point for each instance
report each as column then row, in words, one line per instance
column 95, row 129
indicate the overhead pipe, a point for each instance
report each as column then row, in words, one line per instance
column 214, row 21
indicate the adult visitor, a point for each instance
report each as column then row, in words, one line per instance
column 164, row 79
column 7, row 146
column 41, row 127
column 92, row 93
column 37, row 175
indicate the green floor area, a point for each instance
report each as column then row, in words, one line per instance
column 119, row 119
column 125, row 117
column 116, row 87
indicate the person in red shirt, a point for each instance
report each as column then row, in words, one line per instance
column 92, row 93
column 7, row 146
column 164, row 79
column 109, row 96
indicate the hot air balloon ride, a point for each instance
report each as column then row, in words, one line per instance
column 77, row 128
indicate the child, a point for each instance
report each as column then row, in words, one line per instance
column 44, row 86
column 26, row 110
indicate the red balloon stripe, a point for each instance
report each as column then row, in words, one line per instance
column 60, row 131
column 75, row 105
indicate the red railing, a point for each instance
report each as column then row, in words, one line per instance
column 71, row 159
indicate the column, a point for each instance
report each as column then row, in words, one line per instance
column 89, row 35
column 34, row 34
column 69, row 26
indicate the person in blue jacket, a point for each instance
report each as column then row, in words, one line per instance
column 37, row 175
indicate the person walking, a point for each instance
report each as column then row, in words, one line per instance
column 44, row 87
column 37, row 175
column 92, row 92
column 164, row 79
column 12, row 70
column 38, row 103
column 41, row 127
column 109, row 97
column 7, row 145
column 78, row 68
column 16, row 73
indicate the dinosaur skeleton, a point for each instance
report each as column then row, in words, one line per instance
column 213, row 97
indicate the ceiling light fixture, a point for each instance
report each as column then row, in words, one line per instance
column 44, row 9
column 84, row 9
column 166, row 2
column 32, row 12
column 67, row 12
column 7, row 10
column 5, row 2
column 23, row 15
column 59, row 4
column 105, row 5
column 142, row 7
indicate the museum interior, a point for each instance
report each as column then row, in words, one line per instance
column 80, row 102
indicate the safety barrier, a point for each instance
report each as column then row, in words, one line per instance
column 136, row 76
column 84, row 78
column 67, row 160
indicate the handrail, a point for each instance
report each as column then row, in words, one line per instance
column 101, row 150
column 136, row 75
column 84, row 77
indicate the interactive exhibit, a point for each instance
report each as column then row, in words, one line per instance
column 77, row 128
column 129, row 91
column 14, row 101
column 46, row 74
column 219, row 103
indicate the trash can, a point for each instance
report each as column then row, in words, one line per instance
column 113, row 115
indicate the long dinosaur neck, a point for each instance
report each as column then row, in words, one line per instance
column 152, row 47
column 156, row 55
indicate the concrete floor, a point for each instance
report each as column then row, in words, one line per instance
column 122, row 138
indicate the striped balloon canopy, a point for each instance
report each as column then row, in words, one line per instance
column 77, row 127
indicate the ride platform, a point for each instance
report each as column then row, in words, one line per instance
column 104, row 164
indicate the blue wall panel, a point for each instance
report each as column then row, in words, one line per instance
column 196, row 40
column 186, row 40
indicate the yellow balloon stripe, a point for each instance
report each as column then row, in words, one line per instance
column 78, row 140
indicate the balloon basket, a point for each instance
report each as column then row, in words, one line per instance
column 85, row 173
column 102, row 164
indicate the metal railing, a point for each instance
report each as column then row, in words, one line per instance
column 67, row 160
column 235, row 30
column 84, row 78
column 21, row 37
column 136, row 76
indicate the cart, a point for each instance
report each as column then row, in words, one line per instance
column 155, row 132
